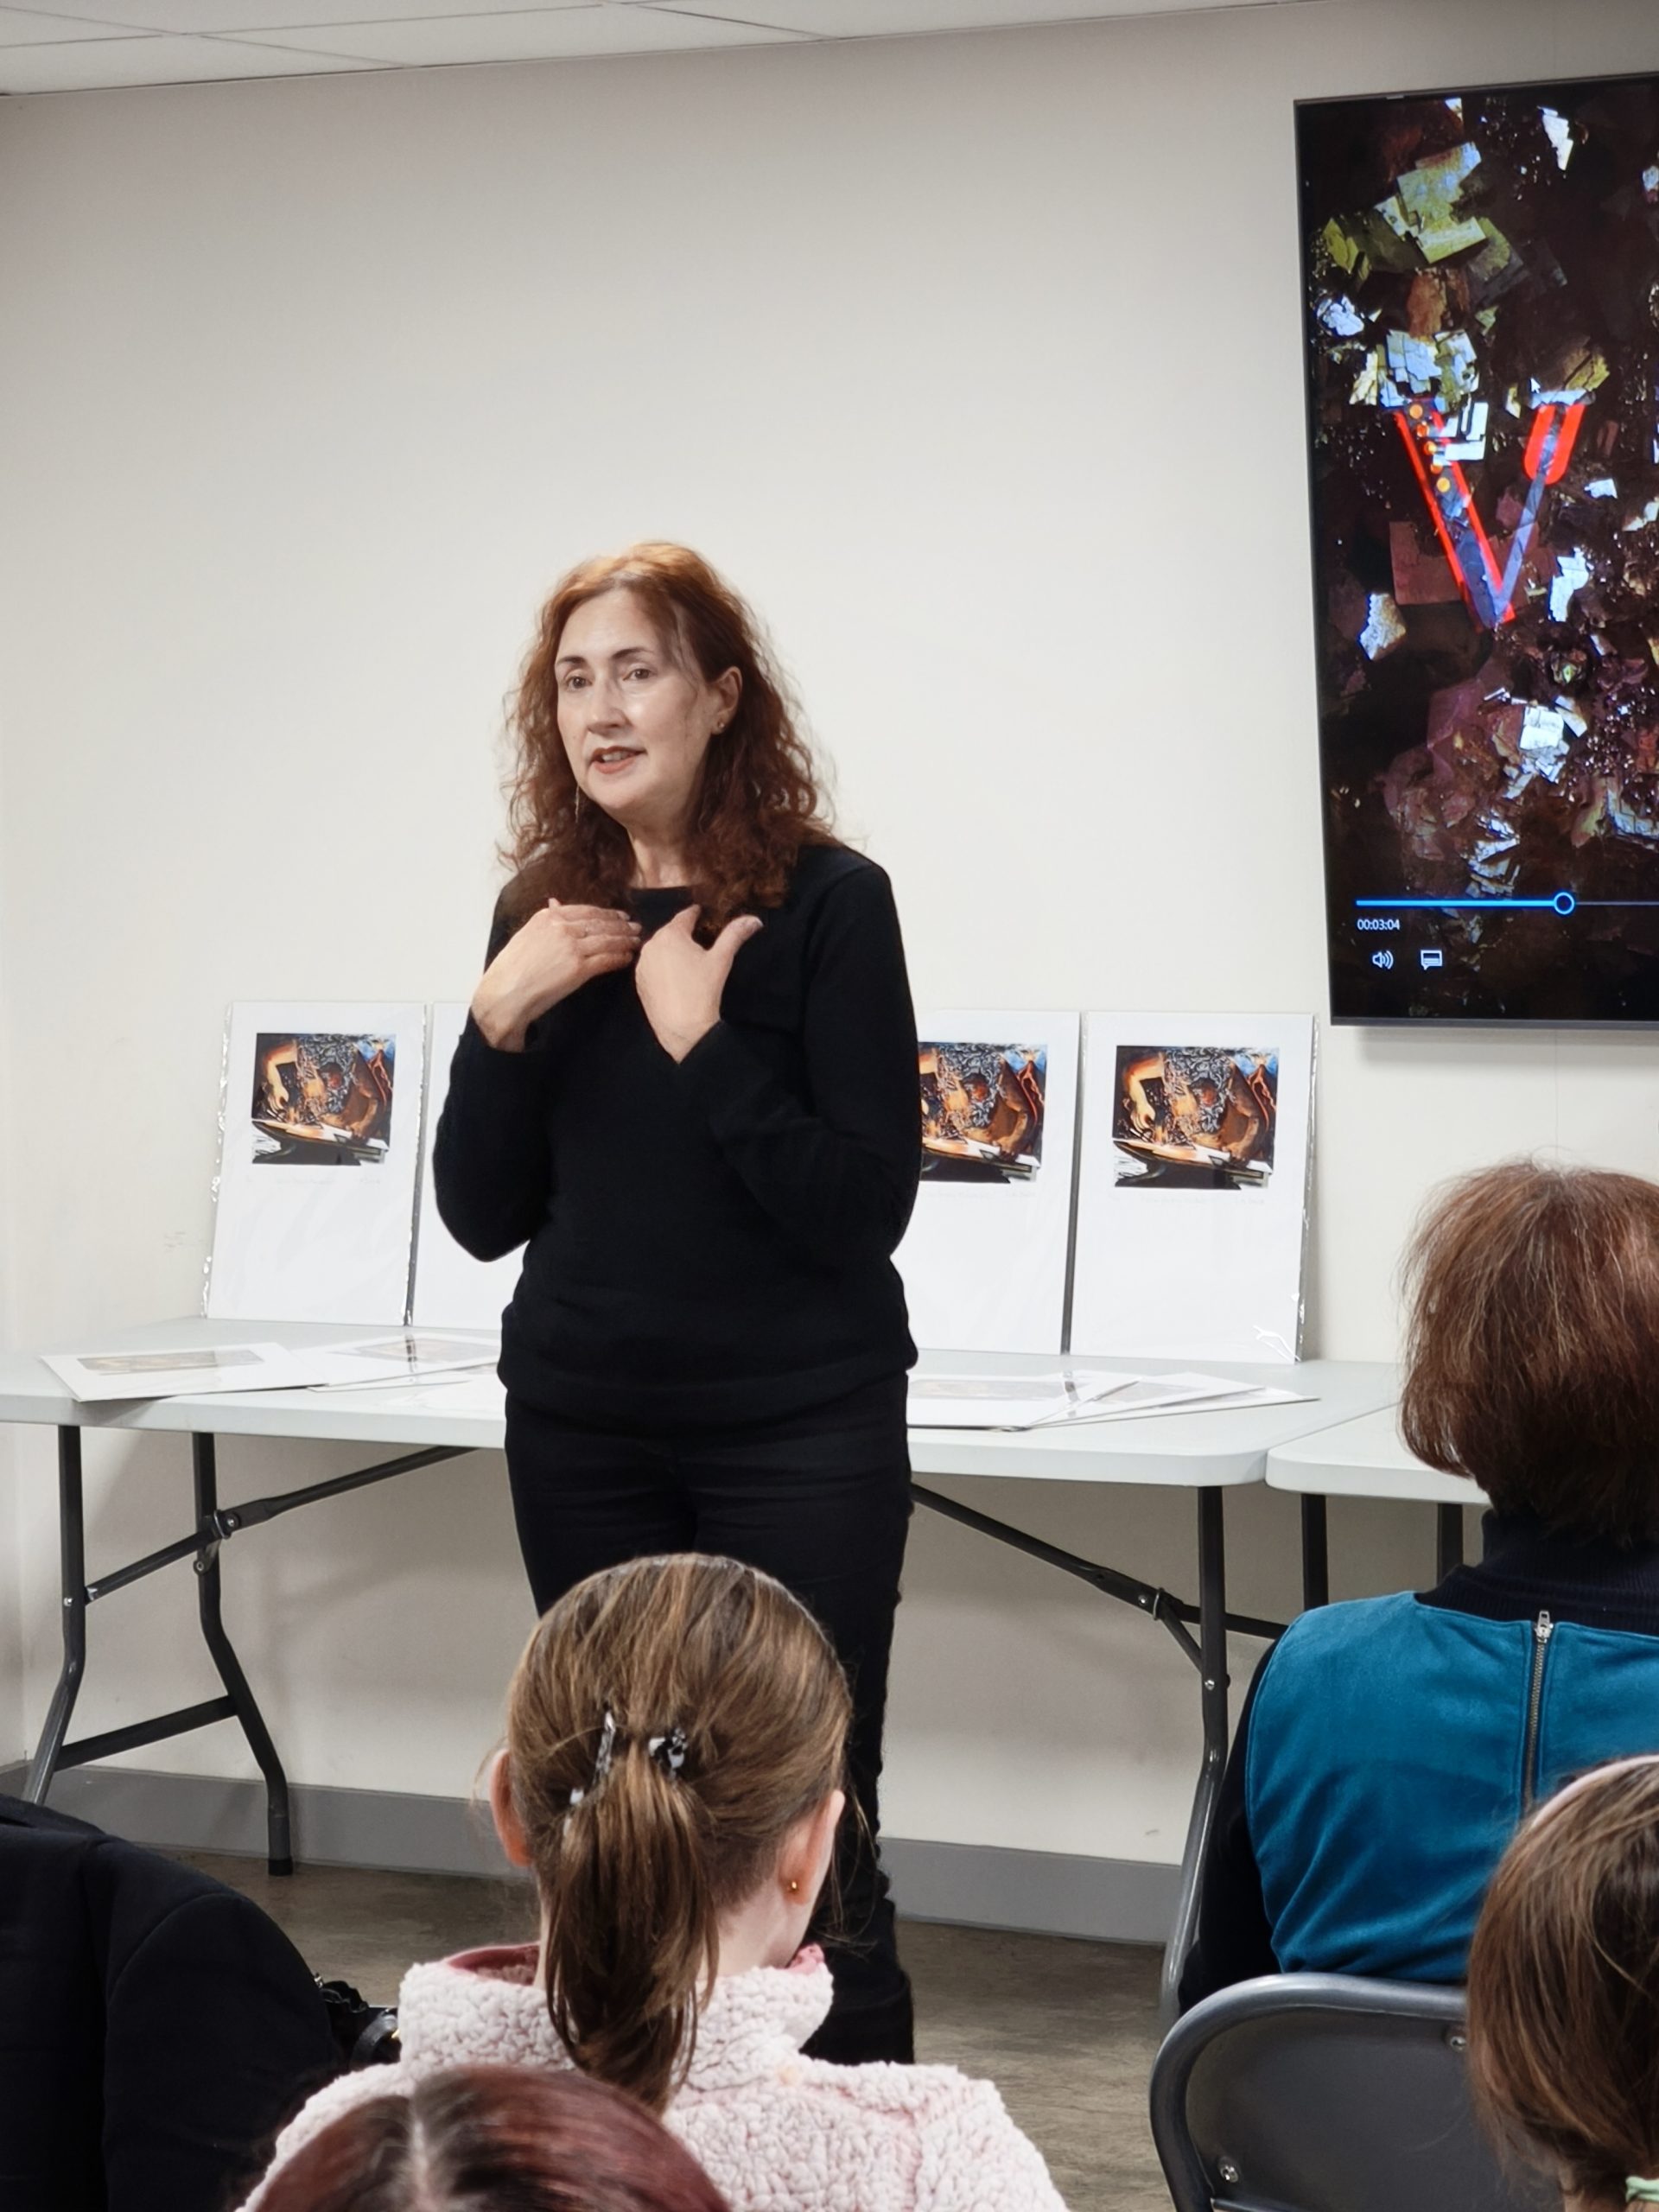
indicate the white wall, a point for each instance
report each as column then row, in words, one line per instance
column 12, row 1736
column 976, row 362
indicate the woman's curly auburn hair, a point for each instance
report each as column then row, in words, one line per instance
column 756, row 802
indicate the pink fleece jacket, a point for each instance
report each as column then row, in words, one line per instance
column 777, row 2132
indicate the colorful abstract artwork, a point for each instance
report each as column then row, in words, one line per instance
column 982, row 1110
column 1195, row 1116
column 322, row 1100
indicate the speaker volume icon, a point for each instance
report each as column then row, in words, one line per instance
column 1382, row 959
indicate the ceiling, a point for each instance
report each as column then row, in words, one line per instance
column 56, row 46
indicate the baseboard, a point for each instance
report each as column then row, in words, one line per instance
column 972, row 1885
column 331, row 1828
column 1037, row 1892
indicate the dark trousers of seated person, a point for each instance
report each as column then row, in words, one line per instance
column 821, row 1501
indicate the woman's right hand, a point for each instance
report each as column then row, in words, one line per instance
column 557, row 951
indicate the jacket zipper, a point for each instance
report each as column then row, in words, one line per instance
column 1542, row 1628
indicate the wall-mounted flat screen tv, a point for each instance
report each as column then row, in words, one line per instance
column 1481, row 300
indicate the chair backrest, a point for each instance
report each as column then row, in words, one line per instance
column 1321, row 2093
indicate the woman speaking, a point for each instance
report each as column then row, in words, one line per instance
column 688, row 1082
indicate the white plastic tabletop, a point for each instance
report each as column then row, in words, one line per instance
column 468, row 1413
column 1203, row 1450
column 1195, row 1450
column 1366, row 1458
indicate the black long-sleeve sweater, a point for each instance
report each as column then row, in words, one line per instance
column 711, row 1241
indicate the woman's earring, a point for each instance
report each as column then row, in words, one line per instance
column 794, row 1889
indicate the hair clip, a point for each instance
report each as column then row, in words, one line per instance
column 1640, row 2190
column 602, row 1758
column 669, row 1750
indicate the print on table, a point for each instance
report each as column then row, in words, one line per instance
column 982, row 1111
column 322, row 1100
column 168, row 1362
column 1195, row 1118
column 411, row 1349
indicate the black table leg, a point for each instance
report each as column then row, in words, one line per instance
column 1448, row 1540
column 71, row 1582
column 213, row 1527
column 280, row 1853
column 1316, row 1553
column 1212, row 1697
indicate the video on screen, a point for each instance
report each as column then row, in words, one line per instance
column 1481, row 272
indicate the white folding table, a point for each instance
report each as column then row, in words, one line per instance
column 1206, row 1452
column 1365, row 1457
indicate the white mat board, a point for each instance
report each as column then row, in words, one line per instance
column 1192, row 1186
column 452, row 1289
column 984, row 1260
column 320, row 1134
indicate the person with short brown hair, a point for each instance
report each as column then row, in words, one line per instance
column 1531, row 1360
column 1564, row 1990
column 1389, row 1747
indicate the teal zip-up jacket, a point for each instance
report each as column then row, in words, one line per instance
column 1390, row 1746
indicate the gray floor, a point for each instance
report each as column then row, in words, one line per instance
column 1066, row 2029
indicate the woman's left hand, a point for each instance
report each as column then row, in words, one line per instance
column 680, row 985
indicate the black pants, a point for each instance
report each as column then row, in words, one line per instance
column 821, row 1501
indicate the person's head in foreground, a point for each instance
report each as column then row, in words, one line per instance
column 494, row 2139
column 1564, row 1989
column 676, row 1733
column 1532, row 1316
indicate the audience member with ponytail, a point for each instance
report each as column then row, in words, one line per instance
column 675, row 1741
column 1564, row 1990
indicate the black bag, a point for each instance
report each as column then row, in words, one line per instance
column 365, row 2034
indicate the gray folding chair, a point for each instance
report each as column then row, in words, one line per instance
column 1321, row 2093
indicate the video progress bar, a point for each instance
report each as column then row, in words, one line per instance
column 1562, row 903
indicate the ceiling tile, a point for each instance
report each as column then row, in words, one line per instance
column 100, row 64
column 231, row 18
column 531, row 34
column 22, row 26
column 906, row 18
column 47, row 48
